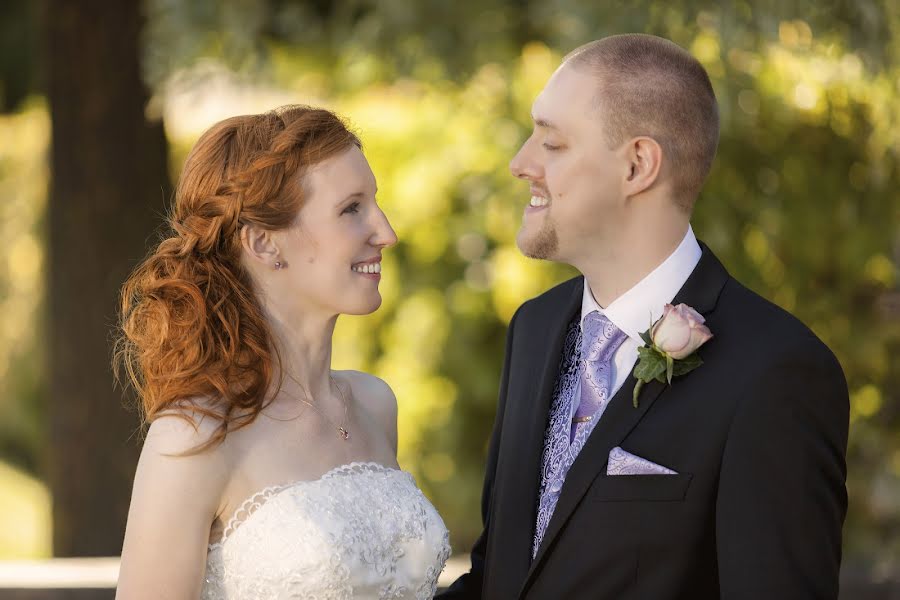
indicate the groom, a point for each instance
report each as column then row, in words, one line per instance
column 729, row 482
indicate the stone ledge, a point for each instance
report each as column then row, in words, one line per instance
column 95, row 579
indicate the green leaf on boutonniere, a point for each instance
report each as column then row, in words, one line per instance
column 655, row 362
column 687, row 364
column 646, row 337
column 650, row 365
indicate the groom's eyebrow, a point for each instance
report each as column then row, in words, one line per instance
column 541, row 122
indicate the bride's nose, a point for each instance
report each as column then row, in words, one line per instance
column 383, row 235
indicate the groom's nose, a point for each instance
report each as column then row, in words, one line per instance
column 523, row 165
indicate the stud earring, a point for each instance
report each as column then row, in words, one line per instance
column 279, row 265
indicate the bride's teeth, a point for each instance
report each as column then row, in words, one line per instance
column 370, row 268
column 538, row 201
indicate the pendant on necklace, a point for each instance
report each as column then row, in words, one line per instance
column 344, row 433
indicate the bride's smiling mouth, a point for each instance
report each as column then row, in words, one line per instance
column 370, row 268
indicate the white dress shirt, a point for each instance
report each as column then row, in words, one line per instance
column 634, row 311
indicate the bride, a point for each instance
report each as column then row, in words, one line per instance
column 265, row 474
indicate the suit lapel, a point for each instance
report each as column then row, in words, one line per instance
column 616, row 423
column 700, row 291
column 545, row 346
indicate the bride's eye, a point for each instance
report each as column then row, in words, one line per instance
column 352, row 209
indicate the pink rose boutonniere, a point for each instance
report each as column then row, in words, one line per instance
column 671, row 349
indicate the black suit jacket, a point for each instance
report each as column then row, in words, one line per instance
column 758, row 437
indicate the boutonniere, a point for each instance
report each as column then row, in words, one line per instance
column 671, row 349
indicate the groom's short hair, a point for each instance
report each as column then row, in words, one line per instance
column 649, row 86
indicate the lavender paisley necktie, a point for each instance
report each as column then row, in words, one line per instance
column 599, row 343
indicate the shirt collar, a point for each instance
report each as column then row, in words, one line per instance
column 635, row 310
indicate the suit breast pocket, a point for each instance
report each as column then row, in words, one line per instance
column 641, row 488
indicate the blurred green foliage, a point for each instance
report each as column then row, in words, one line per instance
column 801, row 206
column 24, row 515
column 23, row 189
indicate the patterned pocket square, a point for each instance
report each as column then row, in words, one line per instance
column 622, row 462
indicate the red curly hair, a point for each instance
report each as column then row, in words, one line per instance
column 190, row 325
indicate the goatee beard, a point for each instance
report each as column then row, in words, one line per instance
column 543, row 245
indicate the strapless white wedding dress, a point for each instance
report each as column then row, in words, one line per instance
column 360, row 531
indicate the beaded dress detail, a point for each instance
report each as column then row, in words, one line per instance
column 362, row 530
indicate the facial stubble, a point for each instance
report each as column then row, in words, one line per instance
column 544, row 244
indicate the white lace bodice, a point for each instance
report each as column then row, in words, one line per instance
column 360, row 531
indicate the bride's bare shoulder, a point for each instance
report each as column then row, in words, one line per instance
column 181, row 455
column 192, row 430
column 178, row 486
column 377, row 397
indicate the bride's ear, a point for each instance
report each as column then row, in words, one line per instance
column 259, row 246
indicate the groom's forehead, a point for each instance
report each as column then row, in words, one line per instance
column 565, row 118
column 548, row 110
column 568, row 96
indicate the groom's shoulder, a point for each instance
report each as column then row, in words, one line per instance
column 548, row 303
column 745, row 308
column 552, row 299
column 773, row 362
column 760, row 325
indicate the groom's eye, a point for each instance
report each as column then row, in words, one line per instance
column 551, row 147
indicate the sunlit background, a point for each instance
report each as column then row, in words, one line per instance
column 802, row 204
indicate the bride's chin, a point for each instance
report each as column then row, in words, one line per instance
column 363, row 308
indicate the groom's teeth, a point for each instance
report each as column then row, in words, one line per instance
column 539, row 201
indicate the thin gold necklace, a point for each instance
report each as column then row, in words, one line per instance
column 342, row 431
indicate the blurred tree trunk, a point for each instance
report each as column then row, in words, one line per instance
column 108, row 186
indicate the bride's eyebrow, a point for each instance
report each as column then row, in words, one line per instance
column 353, row 196
column 356, row 196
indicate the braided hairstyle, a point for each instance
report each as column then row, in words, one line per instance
column 190, row 325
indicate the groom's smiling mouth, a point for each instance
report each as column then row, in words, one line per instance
column 540, row 200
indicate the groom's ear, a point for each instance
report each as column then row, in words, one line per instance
column 643, row 157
